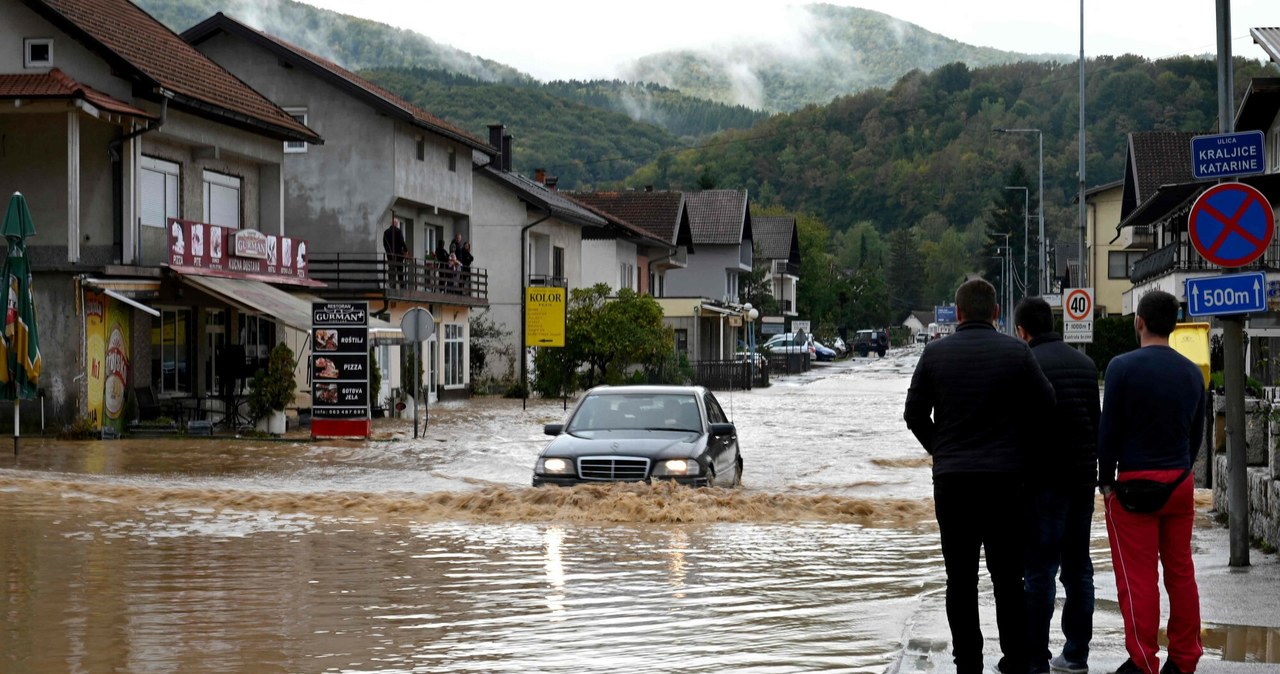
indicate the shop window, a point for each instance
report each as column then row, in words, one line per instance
column 160, row 180
column 215, row 329
column 171, row 352
column 258, row 336
column 453, row 355
column 221, row 199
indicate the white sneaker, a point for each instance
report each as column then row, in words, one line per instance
column 1061, row 664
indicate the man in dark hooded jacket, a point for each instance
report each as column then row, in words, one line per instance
column 1060, row 488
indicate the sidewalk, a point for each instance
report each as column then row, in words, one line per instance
column 1240, row 615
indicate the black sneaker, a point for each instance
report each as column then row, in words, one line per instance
column 1170, row 668
column 1129, row 668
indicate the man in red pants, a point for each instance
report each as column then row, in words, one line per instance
column 1152, row 424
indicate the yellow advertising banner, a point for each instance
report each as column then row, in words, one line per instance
column 95, row 337
column 116, row 386
column 544, row 316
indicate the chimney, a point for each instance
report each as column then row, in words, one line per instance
column 495, row 136
column 551, row 183
column 539, row 176
column 506, row 152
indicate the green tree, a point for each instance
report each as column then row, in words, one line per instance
column 905, row 275
column 609, row 336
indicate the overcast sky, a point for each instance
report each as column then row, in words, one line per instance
column 562, row 39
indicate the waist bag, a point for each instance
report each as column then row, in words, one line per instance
column 1146, row 496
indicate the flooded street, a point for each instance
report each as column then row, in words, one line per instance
column 433, row 555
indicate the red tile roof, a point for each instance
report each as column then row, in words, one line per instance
column 332, row 71
column 56, row 84
column 143, row 49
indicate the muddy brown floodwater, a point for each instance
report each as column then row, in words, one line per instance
column 433, row 554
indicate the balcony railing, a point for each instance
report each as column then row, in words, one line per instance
column 781, row 267
column 545, row 280
column 364, row 274
column 1182, row 256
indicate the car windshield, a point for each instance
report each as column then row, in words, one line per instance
column 637, row 411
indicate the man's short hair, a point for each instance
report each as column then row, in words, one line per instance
column 1159, row 310
column 976, row 299
column 1034, row 315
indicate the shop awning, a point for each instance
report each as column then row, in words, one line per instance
column 128, row 290
column 256, row 297
column 294, row 310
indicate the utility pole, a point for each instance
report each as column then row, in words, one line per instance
column 1233, row 335
column 1083, row 280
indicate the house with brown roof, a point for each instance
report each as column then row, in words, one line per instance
column 530, row 236
column 383, row 158
column 777, row 240
column 1159, row 192
column 150, row 171
column 665, row 242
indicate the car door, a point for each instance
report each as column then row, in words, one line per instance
column 723, row 449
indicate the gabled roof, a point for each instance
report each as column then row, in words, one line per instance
column 141, row 49
column 719, row 217
column 543, row 198
column 335, row 74
column 777, row 237
column 1260, row 105
column 618, row 228
column 1269, row 40
column 924, row 316
column 1155, row 158
column 56, row 84
column 662, row 213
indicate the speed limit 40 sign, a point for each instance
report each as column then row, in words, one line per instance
column 1077, row 315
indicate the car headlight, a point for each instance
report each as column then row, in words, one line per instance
column 677, row 468
column 555, row 466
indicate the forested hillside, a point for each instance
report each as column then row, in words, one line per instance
column 910, row 179
column 577, row 143
column 838, row 51
column 357, row 44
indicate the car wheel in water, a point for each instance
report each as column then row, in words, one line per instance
column 737, row 473
column 711, row 476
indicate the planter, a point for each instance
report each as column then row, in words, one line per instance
column 274, row 423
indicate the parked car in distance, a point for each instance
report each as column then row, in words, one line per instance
column 822, row 352
column 642, row 434
column 762, row 363
column 871, row 341
column 839, row 345
column 922, row 337
column 787, row 343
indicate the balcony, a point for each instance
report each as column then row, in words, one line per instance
column 784, row 268
column 1182, row 256
column 366, row 275
column 1138, row 237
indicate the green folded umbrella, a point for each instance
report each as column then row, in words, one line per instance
column 20, row 341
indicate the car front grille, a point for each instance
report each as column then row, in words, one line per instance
column 613, row 468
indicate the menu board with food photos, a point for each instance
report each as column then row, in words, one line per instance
column 340, row 369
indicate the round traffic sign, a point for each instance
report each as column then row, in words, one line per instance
column 1078, row 305
column 1231, row 224
column 417, row 325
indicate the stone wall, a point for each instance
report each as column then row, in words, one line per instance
column 1262, row 450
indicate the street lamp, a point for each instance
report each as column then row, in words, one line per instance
column 1026, row 215
column 1044, row 274
column 751, row 314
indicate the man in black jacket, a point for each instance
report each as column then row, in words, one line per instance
column 974, row 399
column 1064, row 473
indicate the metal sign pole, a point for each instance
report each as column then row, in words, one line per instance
column 417, row 384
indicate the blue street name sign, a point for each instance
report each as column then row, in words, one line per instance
column 1223, row 155
column 1227, row 294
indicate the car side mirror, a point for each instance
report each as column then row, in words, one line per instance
column 723, row 429
column 553, row 429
